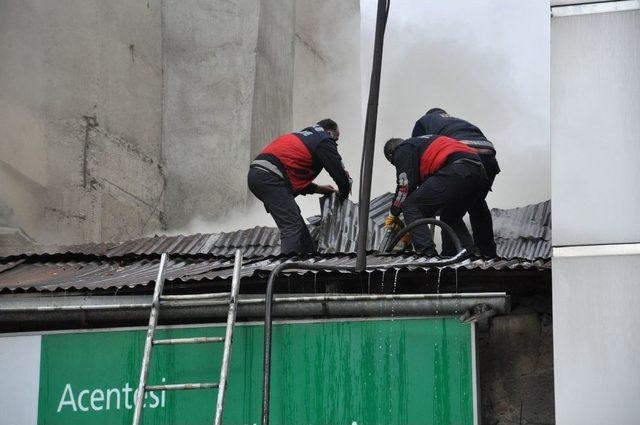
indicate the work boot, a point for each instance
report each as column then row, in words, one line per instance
column 429, row 253
column 485, row 253
column 488, row 255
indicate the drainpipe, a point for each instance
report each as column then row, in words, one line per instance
column 366, row 166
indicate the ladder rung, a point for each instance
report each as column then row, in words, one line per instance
column 174, row 387
column 194, row 296
column 197, row 340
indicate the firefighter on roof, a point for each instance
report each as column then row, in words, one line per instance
column 286, row 168
column 435, row 173
column 437, row 122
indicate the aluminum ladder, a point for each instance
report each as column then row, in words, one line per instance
column 158, row 300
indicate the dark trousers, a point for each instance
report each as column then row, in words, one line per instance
column 453, row 190
column 479, row 214
column 279, row 201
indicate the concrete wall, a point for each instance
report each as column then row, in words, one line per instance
column 326, row 81
column 273, row 88
column 80, row 110
column 123, row 118
column 516, row 366
column 227, row 91
column 209, row 71
column 327, row 66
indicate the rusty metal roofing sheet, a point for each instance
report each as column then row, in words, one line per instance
column 255, row 242
column 104, row 274
column 107, row 273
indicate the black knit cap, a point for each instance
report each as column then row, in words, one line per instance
column 390, row 148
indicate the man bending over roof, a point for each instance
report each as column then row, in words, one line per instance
column 286, row 168
column 435, row 173
column 436, row 121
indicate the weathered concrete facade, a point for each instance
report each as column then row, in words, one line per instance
column 80, row 109
column 327, row 76
column 327, row 65
column 218, row 71
column 516, row 367
column 249, row 78
column 128, row 118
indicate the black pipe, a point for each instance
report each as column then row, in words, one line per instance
column 405, row 229
column 268, row 308
column 368, row 146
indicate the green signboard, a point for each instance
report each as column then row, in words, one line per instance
column 406, row 371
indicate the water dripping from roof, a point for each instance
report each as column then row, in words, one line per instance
column 395, row 280
column 393, row 301
column 438, row 291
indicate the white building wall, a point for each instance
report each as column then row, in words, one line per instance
column 596, row 128
column 595, row 141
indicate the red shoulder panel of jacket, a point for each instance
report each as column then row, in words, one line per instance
column 435, row 156
column 295, row 158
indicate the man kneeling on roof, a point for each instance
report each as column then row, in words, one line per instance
column 435, row 173
column 286, row 168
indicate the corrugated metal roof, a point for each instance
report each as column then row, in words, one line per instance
column 338, row 228
column 107, row 273
column 256, row 242
column 523, row 232
column 520, row 233
column 335, row 230
column 523, row 236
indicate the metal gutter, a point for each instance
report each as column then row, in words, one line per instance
column 135, row 308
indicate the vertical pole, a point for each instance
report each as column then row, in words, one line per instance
column 268, row 324
column 366, row 166
column 148, row 344
column 231, row 321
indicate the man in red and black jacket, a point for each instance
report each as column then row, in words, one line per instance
column 437, row 122
column 286, row 168
column 435, row 173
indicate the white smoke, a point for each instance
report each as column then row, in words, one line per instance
column 239, row 219
column 484, row 60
